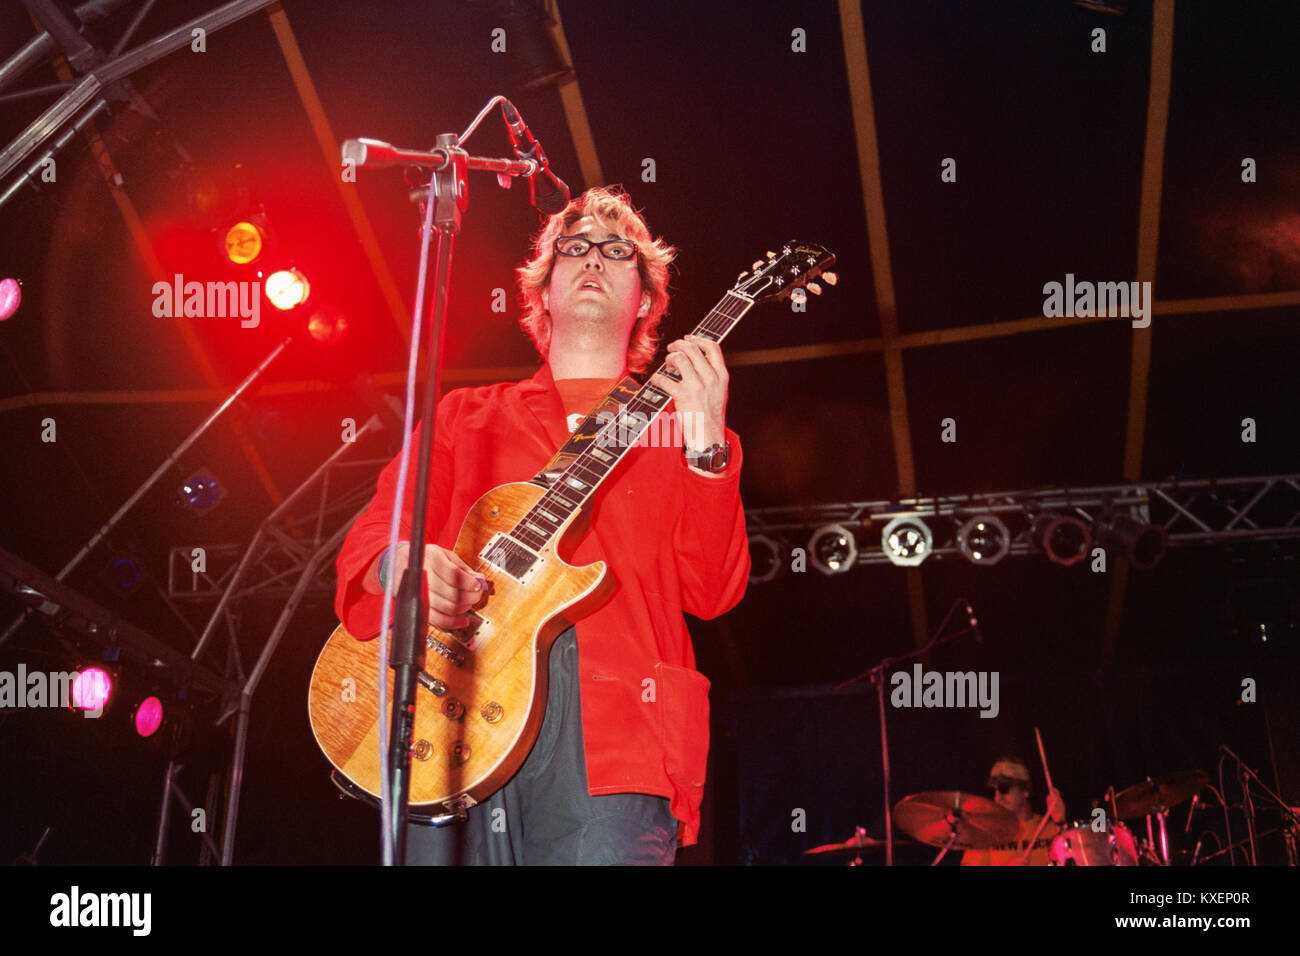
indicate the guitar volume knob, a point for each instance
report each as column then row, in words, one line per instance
column 453, row 709
column 492, row 711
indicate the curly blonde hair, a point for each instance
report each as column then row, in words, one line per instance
column 612, row 206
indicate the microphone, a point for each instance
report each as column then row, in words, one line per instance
column 547, row 192
column 974, row 622
column 376, row 154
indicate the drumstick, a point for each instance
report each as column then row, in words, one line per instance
column 1034, row 839
column 1042, row 755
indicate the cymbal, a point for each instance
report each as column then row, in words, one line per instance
column 933, row 816
column 1167, row 791
column 855, row 844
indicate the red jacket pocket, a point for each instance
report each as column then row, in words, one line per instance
column 683, row 698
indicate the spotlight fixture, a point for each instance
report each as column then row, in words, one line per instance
column 148, row 716
column 219, row 194
column 832, row 549
column 287, row 289
column 125, row 573
column 1065, row 539
column 537, row 62
column 906, row 541
column 984, row 539
column 1144, row 543
column 764, row 559
column 91, row 689
column 11, row 295
column 165, row 721
column 243, row 242
column 201, row 492
column 327, row 326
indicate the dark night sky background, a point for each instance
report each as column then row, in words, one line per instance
column 753, row 144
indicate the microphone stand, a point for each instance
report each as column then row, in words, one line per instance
column 449, row 165
column 1246, row 774
column 877, row 675
column 449, row 188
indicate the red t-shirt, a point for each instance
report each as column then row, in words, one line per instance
column 674, row 540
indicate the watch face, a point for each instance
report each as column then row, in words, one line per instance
column 711, row 459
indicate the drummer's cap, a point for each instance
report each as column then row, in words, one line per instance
column 1009, row 770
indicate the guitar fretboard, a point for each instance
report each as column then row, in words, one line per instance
column 612, row 439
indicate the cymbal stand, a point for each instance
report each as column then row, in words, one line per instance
column 879, row 677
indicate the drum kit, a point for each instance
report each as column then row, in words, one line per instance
column 954, row 820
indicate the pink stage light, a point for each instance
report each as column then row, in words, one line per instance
column 148, row 716
column 91, row 688
column 11, row 294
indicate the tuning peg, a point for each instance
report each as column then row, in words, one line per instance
column 798, row 295
column 830, row 277
column 771, row 254
column 741, row 276
column 814, row 288
column 758, row 264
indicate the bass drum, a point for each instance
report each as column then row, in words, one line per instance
column 1080, row 845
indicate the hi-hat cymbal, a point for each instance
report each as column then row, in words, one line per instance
column 934, row 816
column 1154, row 792
column 855, row 844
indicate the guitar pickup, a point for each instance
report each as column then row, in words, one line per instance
column 508, row 555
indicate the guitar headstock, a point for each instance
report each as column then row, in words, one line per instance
column 787, row 273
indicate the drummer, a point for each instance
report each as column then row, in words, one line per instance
column 1009, row 780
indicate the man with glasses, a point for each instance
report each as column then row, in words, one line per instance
column 617, row 772
column 1009, row 782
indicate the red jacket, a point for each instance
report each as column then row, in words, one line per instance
column 674, row 539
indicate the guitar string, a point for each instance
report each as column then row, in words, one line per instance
column 586, row 460
column 719, row 321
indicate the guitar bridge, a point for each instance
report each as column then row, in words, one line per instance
column 435, row 645
column 470, row 634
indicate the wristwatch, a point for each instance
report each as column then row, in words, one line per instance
column 713, row 459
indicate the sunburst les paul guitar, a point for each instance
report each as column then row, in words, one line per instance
column 482, row 690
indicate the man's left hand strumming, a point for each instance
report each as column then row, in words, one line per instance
column 701, row 396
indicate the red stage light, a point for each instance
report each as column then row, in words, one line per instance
column 287, row 289
column 327, row 326
column 148, row 716
column 91, row 689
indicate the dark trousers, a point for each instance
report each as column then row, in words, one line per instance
column 544, row 815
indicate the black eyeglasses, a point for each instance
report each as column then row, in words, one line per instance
column 619, row 250
column 1004, row 787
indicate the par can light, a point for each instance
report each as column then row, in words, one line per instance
column 907, row 541
column 984, row 539
column 832, row 549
